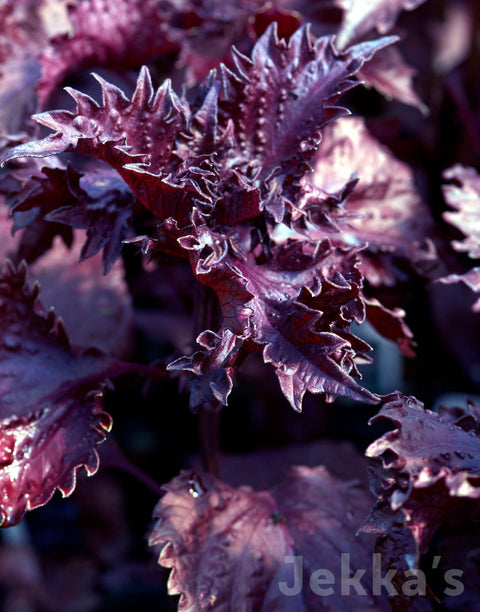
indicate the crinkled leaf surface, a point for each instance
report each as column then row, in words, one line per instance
column 280, row 81
column 323, row 219
column 384, row 211
column 24, row 180
column 227, row 547
column 104, row 207
column 298, row 318
column 423, row 470
column 212, row 367
column 272, row 108
column 436, row 450
column 463, row 194
column 387, row 71
column 234, row 153
column 98, row 201
column 51, row 416
column 467, row 416
column 283, row 97
column 120, row 132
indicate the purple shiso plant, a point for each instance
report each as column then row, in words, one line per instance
column 220, row 150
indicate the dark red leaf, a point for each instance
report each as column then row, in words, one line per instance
column 445, row 453
column 112, row 133
column 231, row 549
column 390, row 324
column 212, row 367
column 265, row 468
column 467, row 417
column 269, row 99
column 51, row 415
column 106, row 33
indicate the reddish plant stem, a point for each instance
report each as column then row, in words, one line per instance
column 147, row 481
column 207, row 316
column 112, row 456
column 209, row 429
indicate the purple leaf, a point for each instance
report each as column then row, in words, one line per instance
column 445, row 453
column 98, row 201
column 227, row 547
column 283, row 97
column 298, row 318
column 95, row 309
column 360, row 17
column 264, row 134
column 390, row 324
column 105, row 33
column 463, row 194
column 385, row 211
column 265, row 468
column 212, row 28
column 51, row 415
column 393, row 77
column 111, row 133
column 21, row 183
column 104, row 207
column 467, row 417
column 212, row 367
column 199, row 166
column 471, row 279
column 423, row 470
